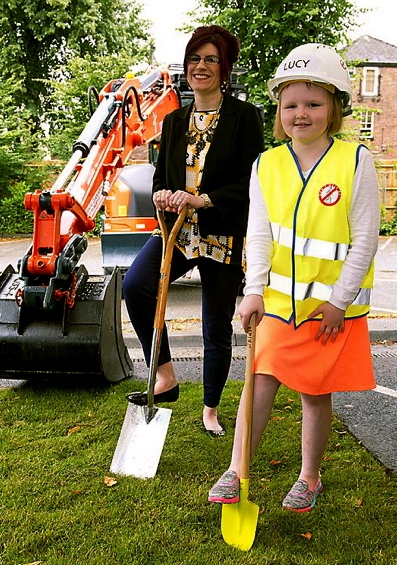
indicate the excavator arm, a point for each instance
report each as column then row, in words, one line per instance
column 130, row 113
column 54, row 318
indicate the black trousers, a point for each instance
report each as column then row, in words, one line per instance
column 220, row 285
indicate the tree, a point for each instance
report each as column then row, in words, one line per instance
column 15, row 141
column 269, row 29
column 70, row 109
column 39, row 36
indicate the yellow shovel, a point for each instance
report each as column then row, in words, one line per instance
column 238, row 524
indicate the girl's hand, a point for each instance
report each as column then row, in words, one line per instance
column 332, row 322
column 251, row 304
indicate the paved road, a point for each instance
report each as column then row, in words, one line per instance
column 371, row 416
column 384, row 296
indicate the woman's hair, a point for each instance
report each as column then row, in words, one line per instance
column 227, row 44
column 335, row 117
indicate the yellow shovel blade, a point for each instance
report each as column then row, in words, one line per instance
column 238, row 524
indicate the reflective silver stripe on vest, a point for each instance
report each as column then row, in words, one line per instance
column 317, row 290
column 309, row 247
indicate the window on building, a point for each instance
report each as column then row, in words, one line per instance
column 367, row 124
column 369, row 86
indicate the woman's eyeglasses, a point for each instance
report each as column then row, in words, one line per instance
column 208, row 60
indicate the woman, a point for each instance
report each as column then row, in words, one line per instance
column 204, row 163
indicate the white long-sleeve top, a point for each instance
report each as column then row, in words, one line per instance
column 364, row 221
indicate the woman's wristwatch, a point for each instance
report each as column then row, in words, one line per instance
column 206, row 199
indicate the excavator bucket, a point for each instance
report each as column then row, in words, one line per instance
column 80, row 343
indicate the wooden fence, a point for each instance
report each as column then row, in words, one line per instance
column 387, row 175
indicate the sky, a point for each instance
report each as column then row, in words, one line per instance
column 167, row 15
column 380, row 22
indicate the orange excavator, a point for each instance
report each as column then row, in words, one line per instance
column 55, row 319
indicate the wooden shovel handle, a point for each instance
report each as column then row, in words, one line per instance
column 168, row 249
column 248, row 399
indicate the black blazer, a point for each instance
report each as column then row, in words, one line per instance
column 237, row 141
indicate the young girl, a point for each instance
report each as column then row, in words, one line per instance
column 312, row 236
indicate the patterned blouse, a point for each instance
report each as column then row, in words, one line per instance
column 189, row 240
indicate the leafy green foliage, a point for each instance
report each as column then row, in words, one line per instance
column 15, row 139
column 14, row 218
column 388, row 227
column 269, row 29
column 50, row 53
column 11, row 168
column 39, row 37
column 70, row 108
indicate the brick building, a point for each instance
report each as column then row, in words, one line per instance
column 373, row 65
column 374, row 78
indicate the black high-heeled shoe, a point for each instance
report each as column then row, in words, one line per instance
column 140, row 398
column 214, row 433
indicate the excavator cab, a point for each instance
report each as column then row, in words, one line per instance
column 129, row 216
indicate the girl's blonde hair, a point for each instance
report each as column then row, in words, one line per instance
column 335, row 118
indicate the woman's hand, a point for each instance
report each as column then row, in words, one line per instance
column 251, row 304
column 161, row 200
column 175, row 201
column 332, row 322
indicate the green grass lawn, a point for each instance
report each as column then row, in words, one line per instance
column 57, row 443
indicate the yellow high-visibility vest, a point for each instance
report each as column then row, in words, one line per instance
column 311, row 235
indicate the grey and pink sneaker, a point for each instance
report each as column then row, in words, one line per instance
column 226, row 490
column 300, row 498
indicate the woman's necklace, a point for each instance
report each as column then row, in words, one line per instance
column 197, row 135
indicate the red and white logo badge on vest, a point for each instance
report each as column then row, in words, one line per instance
column 330, row 194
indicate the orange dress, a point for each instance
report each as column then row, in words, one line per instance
column 302, row 364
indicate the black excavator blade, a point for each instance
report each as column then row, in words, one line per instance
column 82, row 343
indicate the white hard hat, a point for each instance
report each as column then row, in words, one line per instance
column 314, row 62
